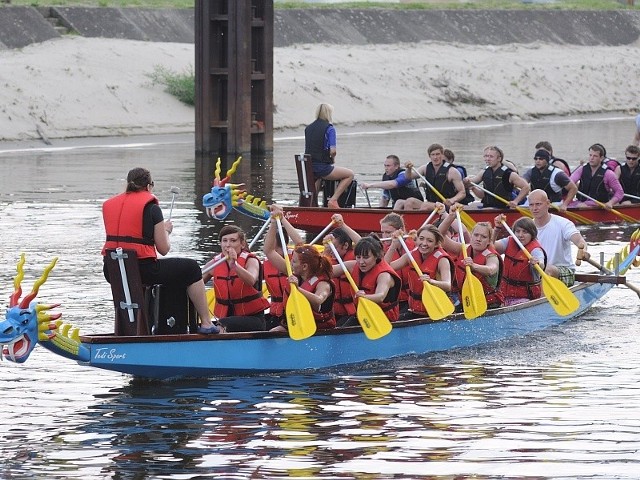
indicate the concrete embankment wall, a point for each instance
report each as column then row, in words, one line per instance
column 21, row 26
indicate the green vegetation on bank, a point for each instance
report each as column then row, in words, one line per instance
column 180, row 85
column 416, row 5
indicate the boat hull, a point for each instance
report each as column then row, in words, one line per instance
column 178, row 356
column 366, row 220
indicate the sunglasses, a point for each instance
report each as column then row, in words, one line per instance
column 632, row 158
column 540, row 158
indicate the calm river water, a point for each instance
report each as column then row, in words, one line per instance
column 561, row 403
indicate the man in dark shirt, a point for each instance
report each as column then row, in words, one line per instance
column 393, row 185
column 552, row 180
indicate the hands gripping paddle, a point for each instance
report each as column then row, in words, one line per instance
column 300, row 321
column 373, row 320
column 563, row 301
column 466, row 218
column 474, row 303
column 435, row 300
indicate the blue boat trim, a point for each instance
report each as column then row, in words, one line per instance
column 174, row 356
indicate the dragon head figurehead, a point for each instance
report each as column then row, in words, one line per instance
column 219, row 203
column 226, row 196
column 25, row 318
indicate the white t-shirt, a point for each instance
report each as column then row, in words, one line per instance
column 555, row 238
column 638, row 122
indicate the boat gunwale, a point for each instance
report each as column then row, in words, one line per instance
column 110, row 338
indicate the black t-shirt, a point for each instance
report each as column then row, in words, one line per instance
column 151, row 216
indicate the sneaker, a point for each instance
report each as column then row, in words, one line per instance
column 209, row 330
column 333, row 203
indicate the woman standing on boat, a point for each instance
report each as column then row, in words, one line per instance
column 375, row 278
column 133, row 220
column 520, row 280
column 481, row 257
column 434, row 262
column 311, row 273
column 320, row 143
column 237, row 283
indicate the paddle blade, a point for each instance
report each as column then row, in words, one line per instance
column 300, row 321
column 563, row 301
column 373, row 320
column 474, row 303
column 211, row 300
column 436, row 302
column 468, row 222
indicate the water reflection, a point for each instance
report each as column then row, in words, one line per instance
column 458, row 419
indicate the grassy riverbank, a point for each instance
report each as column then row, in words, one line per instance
column 425, row 4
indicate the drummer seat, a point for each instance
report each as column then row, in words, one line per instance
column 129, row 280
column 306, row 181
column 309, row 186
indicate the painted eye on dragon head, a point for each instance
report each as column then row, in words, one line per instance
column 25, row 316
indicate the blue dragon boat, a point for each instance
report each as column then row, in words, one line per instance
column 29, row 323
column 170, row 356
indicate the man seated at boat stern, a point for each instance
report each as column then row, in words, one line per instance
column 630, row 175
column 498, row 179
column 596, row 180
column 555, row 235
column 552, row 180
column 396, row 187
column 444, row 181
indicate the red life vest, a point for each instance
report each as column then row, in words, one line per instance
column 429, row 266
column 494, row 296
column 278, row 287
column 517, row 277
column 404, row 271
column 368, row 281
column 324, row 316
column 343, row 298
column 230, row 290
column 122, row 217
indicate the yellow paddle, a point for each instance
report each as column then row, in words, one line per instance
column 563, row 301
column 300, row 321
column 435, row 300
column 576, row 217
column 372, row 319
column 466, row 218
column 523, row 211
column 474, row 303
column 623, row 216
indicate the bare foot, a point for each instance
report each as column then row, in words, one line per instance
column 333, row 203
